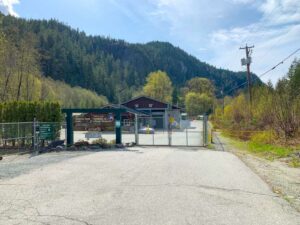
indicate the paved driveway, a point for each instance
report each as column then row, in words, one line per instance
column 157, row 186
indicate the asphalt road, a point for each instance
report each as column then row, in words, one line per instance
column 157, row 186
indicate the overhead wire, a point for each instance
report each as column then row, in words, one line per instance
column 266, row 72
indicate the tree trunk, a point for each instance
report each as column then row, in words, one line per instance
column 20, row 79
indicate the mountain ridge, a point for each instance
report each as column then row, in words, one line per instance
column 104, row 65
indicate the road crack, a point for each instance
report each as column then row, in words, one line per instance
column 204, row 187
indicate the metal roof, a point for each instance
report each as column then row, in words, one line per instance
column 133, row 111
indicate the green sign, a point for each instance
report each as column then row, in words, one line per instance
column 118, row 123
column 46, row 131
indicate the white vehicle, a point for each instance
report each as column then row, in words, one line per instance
column 200, row 117
column 146, row 130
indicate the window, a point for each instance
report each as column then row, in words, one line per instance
column 126, row 122
column 150, row 105
column 136, row 105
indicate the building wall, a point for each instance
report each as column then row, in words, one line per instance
column 158, row 112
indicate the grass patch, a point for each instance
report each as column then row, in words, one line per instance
column 268, row 151
column 210, row 146
column 294, row 162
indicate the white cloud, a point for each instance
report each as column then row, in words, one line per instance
column 6, row 7
column 281, row 11
column 199, row 24
column 187, row 22
column 275, row 36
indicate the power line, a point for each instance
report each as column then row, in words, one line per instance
column 263, row 74
column 263, row 36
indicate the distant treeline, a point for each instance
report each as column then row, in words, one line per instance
column 26, row 112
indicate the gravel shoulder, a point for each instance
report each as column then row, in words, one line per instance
column 15, row 165
column 282, row 179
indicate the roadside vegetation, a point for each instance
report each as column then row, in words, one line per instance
column 22, row 111
column 270, row 127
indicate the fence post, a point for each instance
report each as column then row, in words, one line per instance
column 18, row 137
column 205, row 130
column 34, row 134
column 136, row 129
column 187, row 137
column 65, row 135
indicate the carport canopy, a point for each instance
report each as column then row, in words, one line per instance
column 117, row 114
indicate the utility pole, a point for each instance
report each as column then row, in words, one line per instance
column 247, row 62
column 223, row 102
column 120, row 90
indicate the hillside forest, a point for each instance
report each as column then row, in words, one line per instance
column 102, row 65
column 21, row 78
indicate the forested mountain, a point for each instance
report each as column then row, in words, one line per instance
column 106, row 65
column 21, row 79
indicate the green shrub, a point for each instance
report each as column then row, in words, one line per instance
column 112, row 142
column 295, row 162
column 269, row 151
column 101, row 142
column 23, row 111
column 81, row 143
column 263, row 137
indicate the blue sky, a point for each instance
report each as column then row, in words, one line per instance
column 211, row 30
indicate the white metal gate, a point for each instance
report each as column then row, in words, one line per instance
column 188, row 133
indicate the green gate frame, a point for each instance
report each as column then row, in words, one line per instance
column 69, row 119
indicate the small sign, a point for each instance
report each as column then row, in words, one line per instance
column 46, row 131
column 118, row 123
column 90, row 135
column 171, row 120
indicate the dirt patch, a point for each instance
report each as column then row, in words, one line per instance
column 283, row 179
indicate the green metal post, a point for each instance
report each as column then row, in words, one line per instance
column 69, row 120
column 136, row 129
column 70, row 137
column 118, row 128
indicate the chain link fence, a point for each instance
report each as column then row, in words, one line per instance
column 159, row 131
column 22, row 137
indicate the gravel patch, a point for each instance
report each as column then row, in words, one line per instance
column 15, row 165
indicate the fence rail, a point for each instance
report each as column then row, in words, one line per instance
column 28, row 136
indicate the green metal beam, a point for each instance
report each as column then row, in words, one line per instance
column 92, row 110
column 70, row 134
column 69, row 120
column 118, row 128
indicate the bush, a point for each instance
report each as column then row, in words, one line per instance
column 101, row 142
column 269, row 151
column 112, row 142
column 81, row 143
column 263, row 137
column 22, row 111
